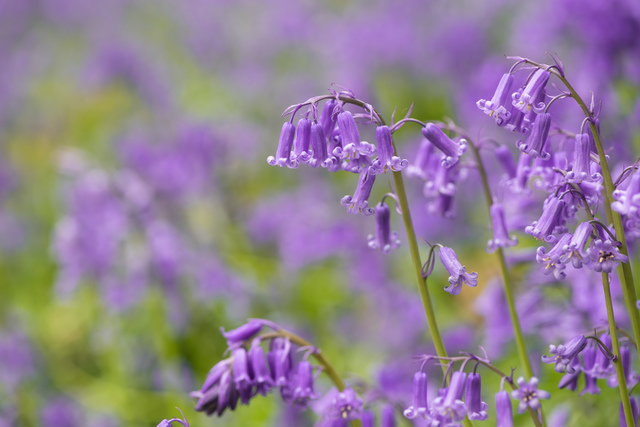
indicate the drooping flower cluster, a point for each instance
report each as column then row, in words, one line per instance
column 596, row 363
column 247, row 373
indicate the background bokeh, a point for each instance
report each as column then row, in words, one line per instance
column 138, row 213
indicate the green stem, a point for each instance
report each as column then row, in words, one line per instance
column 508, row 286
column 421, row 282
column 506, row 278
column 622, row 382
column 624, row 268
column 417, row 266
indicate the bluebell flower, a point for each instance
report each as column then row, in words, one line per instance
column 476, row 408
column 352, row 146
column 501, row 238
column 550, row 221
column 419, row 406
column 457, row 273
column 359, row 202
column 564, row 354
column 575, row 249
column 529, row 395
column 554, row 260
column 384, row 239
column 452, row 150
column 528, row 99
column 283, row 153
column 302, row 143
column 535, row 142
column 303, row 384
column 504, row 413
column 451, row 404
column 581, row 166
column 627, row 201
column 604, row 256
column 387, row 416
column 386, row 158
column 497, row 107
column 424, row 163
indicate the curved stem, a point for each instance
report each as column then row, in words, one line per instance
column 624, row 269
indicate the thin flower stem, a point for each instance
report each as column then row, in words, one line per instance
column 508, row 286
column 506, row 278
column 622, row 382
column 421, row 282
column 624, row 269
column 327, row 367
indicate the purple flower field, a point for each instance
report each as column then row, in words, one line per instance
column 270, row 213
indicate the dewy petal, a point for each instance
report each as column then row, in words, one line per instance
column 452, row 150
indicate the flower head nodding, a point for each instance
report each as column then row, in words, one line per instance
column 302, row 143
column 535, row 142
column 529, row 395
column 386, row 158
column 574, row 250
column 359, row 202
column 581, row 167
column 550, row 221
column 283, row 153
column 527, row 99
column 457, row 273
column 384, row 239
column 419, row 407
column 476, row 408
column 604, row 256
column 496, row 108
column 452, row 150
column 554, row 260
column 564, row 354
column 627, row 201
column 501, row 238
column 451, row 404
column 352, row 147
column 504, row 413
